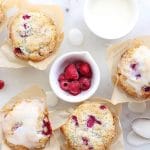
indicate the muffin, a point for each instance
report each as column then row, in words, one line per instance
column 33, row 35
column 133, row 72
column 25, row 125
column 90, row 127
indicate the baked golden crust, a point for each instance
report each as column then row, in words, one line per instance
column 132, row 74
column 33, row 35
column 10, row 131
column 91, row 126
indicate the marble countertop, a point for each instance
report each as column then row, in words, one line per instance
column 18, row 79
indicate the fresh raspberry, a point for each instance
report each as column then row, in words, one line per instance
column 17, row 50
column 85, row 83
column 25, row 17
column 64, row 85
column 71, row 72
column 74, row 118
column 74, row 88
column 2, row 84
column 61, row 77
column 78, row 63
column 84, row 69
column 91, row 121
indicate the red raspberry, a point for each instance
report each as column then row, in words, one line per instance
column 17, row 50
column 91, row 121
column 47, row 130
column 2, row 84
column 74, row 118
column 71, row 72
column 103, row 107
column 146, row 88
column 25, row 17
column 134, row 66
column 84, row 69
column 64, row 85
column 85, row 83
column 78, row 63
column 74, row 88
column 61, row 77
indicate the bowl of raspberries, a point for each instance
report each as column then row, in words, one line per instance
column 74, row 76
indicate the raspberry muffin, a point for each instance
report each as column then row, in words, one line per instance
column 90, row 127
column 25, row 125
column 33, row 35
column 133, row 72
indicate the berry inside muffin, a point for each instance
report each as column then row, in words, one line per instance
column 33, row 35
column 26, row 125
column 133, row 73
column 90, row 127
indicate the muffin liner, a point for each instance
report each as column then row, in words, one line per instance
column 117, row 143
column 114, row 53
column 59, row 114
column 30, row 93
column 12, row 7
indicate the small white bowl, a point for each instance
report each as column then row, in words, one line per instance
column 58, row 68
column 111, row 19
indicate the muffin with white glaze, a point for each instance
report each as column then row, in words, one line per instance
column 25, row 125
column 33, row 35
column 90, row 127
column 133, row 72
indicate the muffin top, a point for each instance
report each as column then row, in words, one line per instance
column 134, row 66
column 33, row 35
column 26, row 125
column 90, row 127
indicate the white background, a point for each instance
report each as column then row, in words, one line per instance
column 18, row 79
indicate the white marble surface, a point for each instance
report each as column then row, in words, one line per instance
column 18, row 79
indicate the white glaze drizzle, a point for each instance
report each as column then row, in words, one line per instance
column 26, row 114
column 142, row 57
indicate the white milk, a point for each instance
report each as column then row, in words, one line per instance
column 110, row 18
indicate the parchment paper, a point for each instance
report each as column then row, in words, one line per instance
column 59, row 117
column 11, row 7
column 113, row 57
column 115, row 109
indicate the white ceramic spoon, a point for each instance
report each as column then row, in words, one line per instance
column 141, row 126
column 136, row 140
